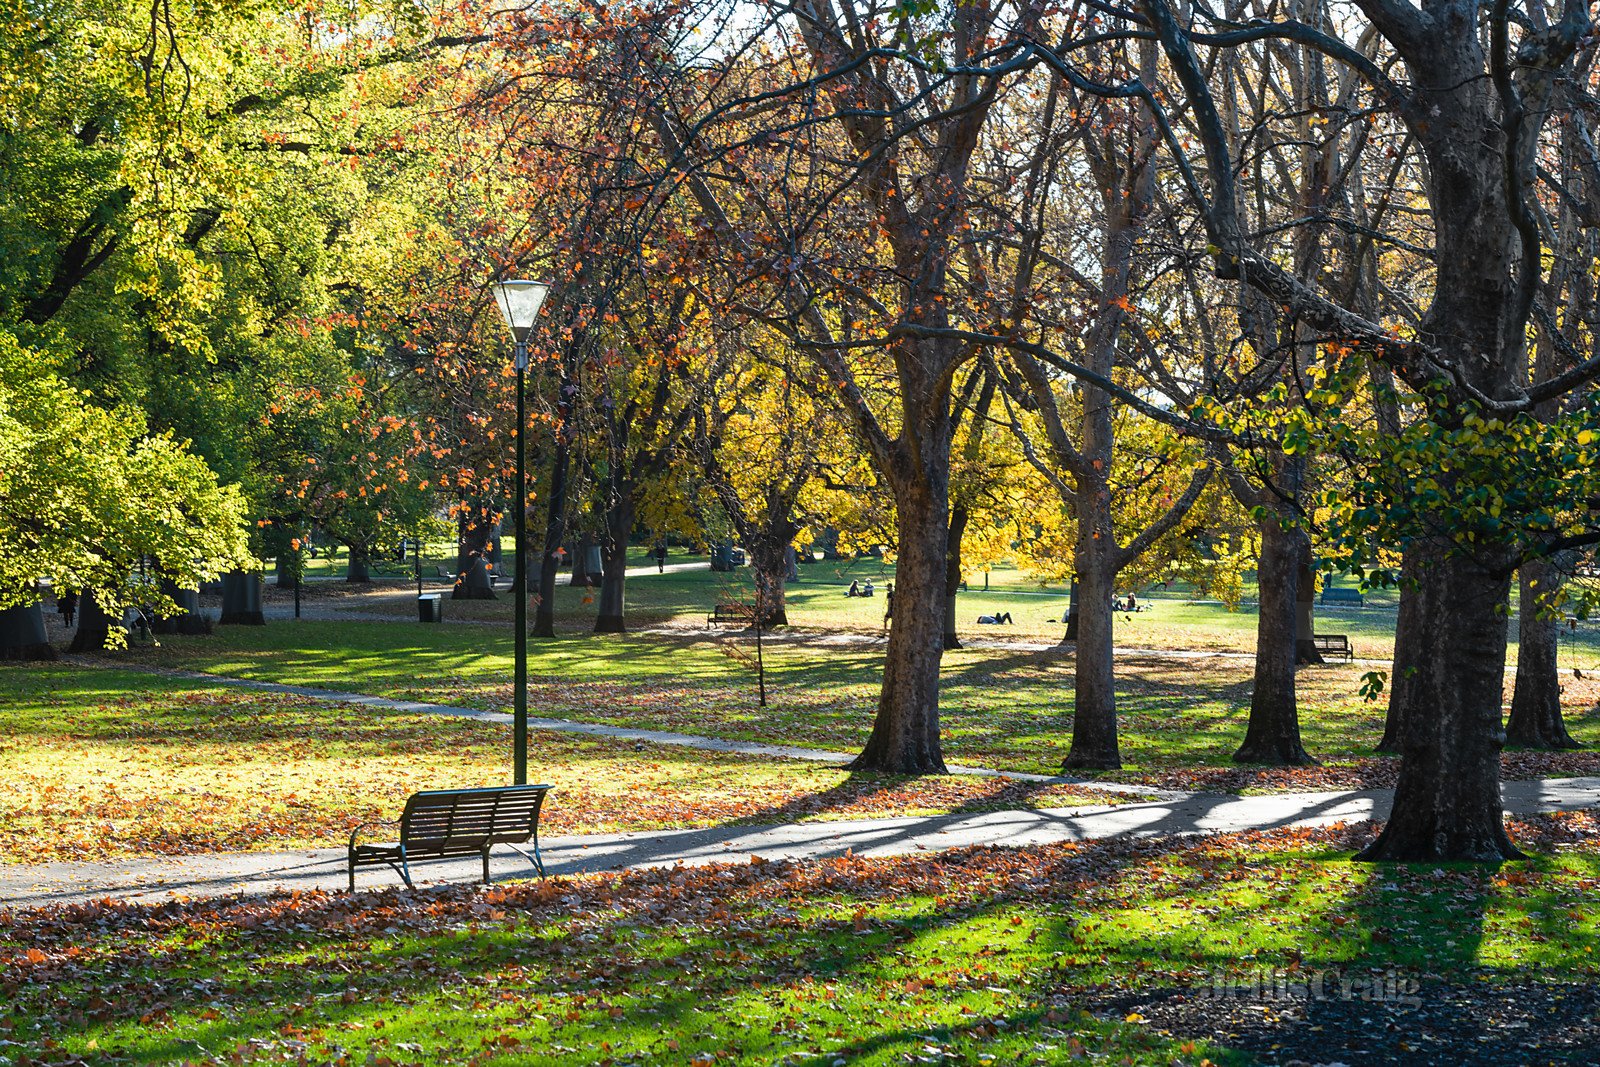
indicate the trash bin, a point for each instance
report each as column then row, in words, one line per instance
column 430, row 608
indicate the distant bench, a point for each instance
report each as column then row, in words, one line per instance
column 438, row 823
column 1330, row 595
column 1333, row 645
column 724, row 614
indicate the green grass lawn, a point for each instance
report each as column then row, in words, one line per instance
column 1181, row 720
column 1109, row 951
column 817, row 603
column 100, row 763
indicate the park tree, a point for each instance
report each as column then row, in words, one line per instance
column 95, row 505
column 1474, row 88
column 831, row 130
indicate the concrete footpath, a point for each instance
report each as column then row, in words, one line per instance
column 254, row 873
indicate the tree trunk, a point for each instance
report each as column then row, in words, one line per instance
column 189, row 619
column 1094, row 710
column 474, row 531
column 614, row 563
column 22, row 633
column 769, row 563
column 1407, row 637
column 555, row 531
column 283, row 569
column 1071, row 635
column 959, row 516
column 1305, row 608
column 1273, row 734
column 580, row 561
column 94, row 626
column 905, row 733
column 1536, row 720
column 241, row 599
column 360, row 569
column 1447, row 800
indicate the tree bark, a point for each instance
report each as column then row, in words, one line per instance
column 474, row 531
column 1536, row 720
column 769, row 564
column 23, row 636
column 1407, row 638
column 614, row 563
column 1273, row 733
column 1094, row 712
column 905, row 732
column 959, row 517
column 555, row 531
column 94, row 626
column 359, row 570
column 580, row 561
column 241, row 599
column 1447, row 800
column 189, row 618
column 1305, row 608
column 1071, row 636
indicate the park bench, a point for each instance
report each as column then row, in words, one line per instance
column 724, row 614
column 1330, row 595
column 1333, row 645
column 439, row 823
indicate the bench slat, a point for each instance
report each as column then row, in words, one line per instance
column 457, row 822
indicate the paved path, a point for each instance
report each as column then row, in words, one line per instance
column 215, row 875
column 623, row 733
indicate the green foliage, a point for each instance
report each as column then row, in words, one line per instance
column 86, row 495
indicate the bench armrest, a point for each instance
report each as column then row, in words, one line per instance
column 368, row 825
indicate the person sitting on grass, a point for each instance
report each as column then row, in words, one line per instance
column 854, row 590
column 866, row 590
column 995, row 620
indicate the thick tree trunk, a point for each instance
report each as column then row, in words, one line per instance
column 769, row 563
column 614, row 564
column 1273, row 734
column 905, row 733
column 360, row 569
column 241, row 599
column 474, row 531
column 1407, row 645
column 1071, row 635
column 189, row 619
column 580, row 561
column 23, row 636
column 283, row 569
column 1447, row 800
column 959, row 516
column 94, row 626
column 555, row 531
column 1536, row 720
column 1094, row 711
column 1305, row 608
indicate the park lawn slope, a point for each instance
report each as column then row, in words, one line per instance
column 1036, row 956
column 1181, row 719
column 101, row 763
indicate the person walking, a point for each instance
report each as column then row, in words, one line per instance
column 661, row 557
column 67, row 607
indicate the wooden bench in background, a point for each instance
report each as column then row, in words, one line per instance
column 726, row 614
column 438, row 823
column 1333, row 645
column 1330, row 595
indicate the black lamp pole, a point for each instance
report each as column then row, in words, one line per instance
column 520, row 682
column 519, row 302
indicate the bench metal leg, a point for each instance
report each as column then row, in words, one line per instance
column 486, row 865
column 536, row 859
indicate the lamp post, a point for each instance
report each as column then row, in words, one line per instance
column 519, row 304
